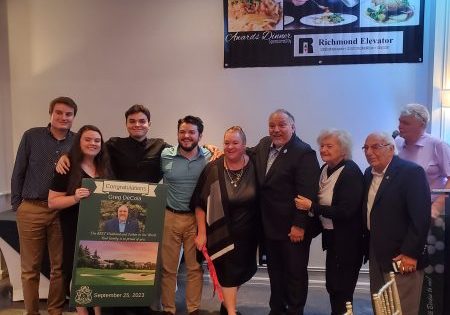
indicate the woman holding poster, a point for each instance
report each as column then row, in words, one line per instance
column 88, row 159
column 225, row 207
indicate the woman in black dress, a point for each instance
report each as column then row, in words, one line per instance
column 227, row 218
column 88, row 159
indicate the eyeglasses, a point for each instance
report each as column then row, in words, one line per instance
column 374, row 147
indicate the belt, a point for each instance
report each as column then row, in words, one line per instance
column 38, row 202
column 179, row 211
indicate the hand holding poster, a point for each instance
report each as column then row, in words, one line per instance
column 119, row 232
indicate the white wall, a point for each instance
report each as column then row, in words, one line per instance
column 110, row 54
column 168, row 54
column 5, row 112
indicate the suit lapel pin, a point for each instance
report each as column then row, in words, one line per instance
column 387, row 177
column 284, row 151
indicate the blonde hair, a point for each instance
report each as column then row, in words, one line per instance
column 239, row 130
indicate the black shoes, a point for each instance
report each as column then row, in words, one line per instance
column 223, row 310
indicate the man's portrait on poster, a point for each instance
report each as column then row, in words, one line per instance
column 120, row 217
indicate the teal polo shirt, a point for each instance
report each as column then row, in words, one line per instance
column 181, row 175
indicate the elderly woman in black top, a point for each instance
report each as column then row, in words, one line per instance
column 226, row 212
column 339, row 210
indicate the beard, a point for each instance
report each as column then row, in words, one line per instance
column 189, row 148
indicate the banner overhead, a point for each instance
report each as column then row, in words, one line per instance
column 272, row 33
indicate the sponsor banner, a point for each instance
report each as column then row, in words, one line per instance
column 306, row 32
column 118, row 240
column 348, row 44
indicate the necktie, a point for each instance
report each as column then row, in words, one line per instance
column 272, row 156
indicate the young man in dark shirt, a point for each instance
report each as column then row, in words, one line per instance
column 39, row 226
column 137, row 158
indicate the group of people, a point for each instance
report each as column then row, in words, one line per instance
column 274, row 193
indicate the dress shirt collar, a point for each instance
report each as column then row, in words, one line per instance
column 199, row 152
column 273, row 148
column 419, row 143
column 375, row 173
column 122, row 226
column 49, row 131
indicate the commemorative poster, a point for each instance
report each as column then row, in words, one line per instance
column 118, row 240
column 272, row 33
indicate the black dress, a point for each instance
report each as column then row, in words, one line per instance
column 240, row 208
column 69, row 219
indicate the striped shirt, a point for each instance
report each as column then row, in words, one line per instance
column 35, row 164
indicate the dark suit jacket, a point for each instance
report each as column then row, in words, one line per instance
column 345, row 211
column 112, row 225
column 400, row 216
column 294, row 171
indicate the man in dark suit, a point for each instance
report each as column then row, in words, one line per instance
column 286, row 167
column 397, row 219
column 122, row 224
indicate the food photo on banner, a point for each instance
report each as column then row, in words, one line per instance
column 118, row 237
column 271, row 33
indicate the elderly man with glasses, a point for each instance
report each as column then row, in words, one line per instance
column 396, row 223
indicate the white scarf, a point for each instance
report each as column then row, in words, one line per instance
column 326, row 186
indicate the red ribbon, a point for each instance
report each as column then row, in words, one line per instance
column 213, row 275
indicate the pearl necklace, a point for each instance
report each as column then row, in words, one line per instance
column 235, row 177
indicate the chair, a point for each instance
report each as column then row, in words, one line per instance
column 348, row 306
column 387, row 300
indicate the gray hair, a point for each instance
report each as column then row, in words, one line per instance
column 419, row 112
column 343, row 138
column 283, row 111
column 386, row 137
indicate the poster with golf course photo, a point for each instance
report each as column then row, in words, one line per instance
column 119, row 232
